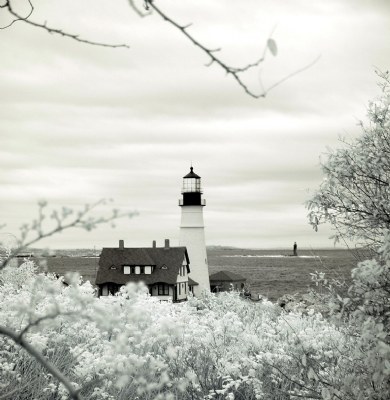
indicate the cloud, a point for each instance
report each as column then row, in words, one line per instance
column 81, row 122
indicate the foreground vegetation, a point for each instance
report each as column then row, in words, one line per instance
column 217, row 347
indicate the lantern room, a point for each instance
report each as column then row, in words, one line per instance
column 192, row 190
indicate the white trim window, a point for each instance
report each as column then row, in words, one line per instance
column 126, row 269
column 163, row 289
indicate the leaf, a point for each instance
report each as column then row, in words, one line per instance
column 326, row 394
column 311, row 374
column 304, row 360
column 273, row 48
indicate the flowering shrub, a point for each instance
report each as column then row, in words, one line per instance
column 365, row 310
column 131, row 346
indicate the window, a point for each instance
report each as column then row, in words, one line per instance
column 109, row 289
column 183, row 268
column 136, row 269
column 163, row 289
column 179, row 289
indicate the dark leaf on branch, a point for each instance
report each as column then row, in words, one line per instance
column 272, row 46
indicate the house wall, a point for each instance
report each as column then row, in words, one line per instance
column 226, row 286
column 182, row 294
column 162, row 297
column 182, row 282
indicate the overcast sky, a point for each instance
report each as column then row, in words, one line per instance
column 79, row 123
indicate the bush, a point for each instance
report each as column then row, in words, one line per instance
column 132, row 346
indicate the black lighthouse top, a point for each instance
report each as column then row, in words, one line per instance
column 192, row 190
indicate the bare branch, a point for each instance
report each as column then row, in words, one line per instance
column 233, row 71
column 45, row 318
column 7, row 5
column 60, row 32
column 312, row 394
column 78, row 222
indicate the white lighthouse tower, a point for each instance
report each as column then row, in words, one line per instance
column 192, row 231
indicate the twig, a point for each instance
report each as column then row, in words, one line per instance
column 44, row 318
column 78, row 222
column 296, row 72
column 233, row 71
column 60, row 32
column 7, row 5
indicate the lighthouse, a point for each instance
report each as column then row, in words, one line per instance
column 192, row 231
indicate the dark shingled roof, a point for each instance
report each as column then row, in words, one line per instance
column 191, row 282
column 226, row 276
column 167, row 262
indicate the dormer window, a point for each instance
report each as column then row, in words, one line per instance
column 136, row 269
column 128, row 269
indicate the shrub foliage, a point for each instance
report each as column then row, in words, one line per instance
column 131, row 346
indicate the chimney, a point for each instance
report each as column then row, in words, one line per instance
column 121, row 244
column 166, row 244
column 154, row 244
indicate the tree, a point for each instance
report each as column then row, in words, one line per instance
column 354, row 198
column 355, row 194
column 237, row 73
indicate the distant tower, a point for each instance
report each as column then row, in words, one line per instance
column 192, row 231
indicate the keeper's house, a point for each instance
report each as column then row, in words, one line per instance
column 164, row 270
